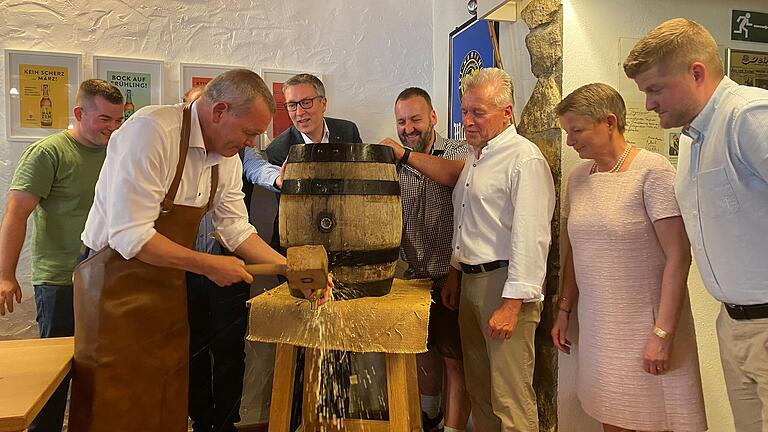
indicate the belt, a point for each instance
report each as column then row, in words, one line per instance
column 747, row 312
column 486, row 267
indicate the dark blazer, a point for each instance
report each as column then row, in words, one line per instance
column 339, row 131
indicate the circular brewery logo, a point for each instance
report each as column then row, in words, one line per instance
column 472, row 63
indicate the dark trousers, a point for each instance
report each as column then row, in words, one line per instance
column 218, row 321
column 55, row 319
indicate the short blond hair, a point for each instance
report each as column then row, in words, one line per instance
column 595, row 101
column 673, row 46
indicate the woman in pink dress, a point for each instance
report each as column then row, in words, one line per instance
column 627, row 267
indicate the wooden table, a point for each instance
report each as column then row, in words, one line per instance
column 30, row 371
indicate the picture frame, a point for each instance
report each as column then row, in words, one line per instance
column 275, row 78
column 40, row 90
column 140, row 80
column 198, row 74
column 470, row 48
column 747, row 67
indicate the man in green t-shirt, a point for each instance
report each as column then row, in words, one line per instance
column 55, row 181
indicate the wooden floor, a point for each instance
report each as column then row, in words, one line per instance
column 253, row 428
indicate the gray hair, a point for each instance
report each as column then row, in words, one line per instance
column 306, row 78
column 239, row 88
column 496, row 83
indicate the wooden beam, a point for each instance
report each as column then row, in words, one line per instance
column 282, row 388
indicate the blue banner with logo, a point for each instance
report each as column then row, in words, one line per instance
column 471, row 49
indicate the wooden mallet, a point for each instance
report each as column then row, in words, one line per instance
column 306, row 269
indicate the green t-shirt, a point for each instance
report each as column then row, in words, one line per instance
column 63, row 173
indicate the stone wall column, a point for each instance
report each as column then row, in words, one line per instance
column 538, row 123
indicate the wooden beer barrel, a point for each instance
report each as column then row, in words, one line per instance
column 345, row 197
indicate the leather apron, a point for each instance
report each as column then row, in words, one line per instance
column 131, row 364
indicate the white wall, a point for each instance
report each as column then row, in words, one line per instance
column 591, row 53
column 367, row 51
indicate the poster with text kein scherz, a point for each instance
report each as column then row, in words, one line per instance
column 43, row 96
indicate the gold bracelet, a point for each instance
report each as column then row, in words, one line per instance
column 564, row 309
column 658, row 331
column 560, row 302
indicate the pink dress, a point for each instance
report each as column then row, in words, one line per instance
column 619, row 264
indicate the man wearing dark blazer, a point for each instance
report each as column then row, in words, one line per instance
column 306, row 103
column 339, row 131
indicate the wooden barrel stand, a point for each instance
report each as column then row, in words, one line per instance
column 402, row 392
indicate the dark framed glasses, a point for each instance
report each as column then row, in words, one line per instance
column 304, row 103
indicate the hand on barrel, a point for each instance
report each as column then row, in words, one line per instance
column 395, row 146
column 225, row 270
column 279, row 179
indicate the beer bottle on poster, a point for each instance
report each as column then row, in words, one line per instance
column 128, row 108
column 46, row 109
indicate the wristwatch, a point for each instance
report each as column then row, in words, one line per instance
column 406, row 155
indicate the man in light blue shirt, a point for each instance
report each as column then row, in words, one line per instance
column 722, row 189
column 258, row 170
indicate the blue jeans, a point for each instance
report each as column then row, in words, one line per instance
column 55, row 319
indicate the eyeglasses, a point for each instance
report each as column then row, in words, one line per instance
column 305, row 103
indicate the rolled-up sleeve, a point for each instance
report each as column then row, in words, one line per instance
column 533, row 199
column 230, row 217
column 137, row 188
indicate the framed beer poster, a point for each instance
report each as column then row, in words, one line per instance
column 40, row 89
column 140, row 81
column 198, row 75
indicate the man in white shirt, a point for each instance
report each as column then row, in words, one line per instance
column 722, row 189
column 503, row 204
column 163, row 170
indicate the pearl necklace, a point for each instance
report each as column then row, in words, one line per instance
column 618, row 165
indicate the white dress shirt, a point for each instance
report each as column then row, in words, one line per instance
column 502, row 207
column 325, row 138
column 722, row 189
column 138, row 171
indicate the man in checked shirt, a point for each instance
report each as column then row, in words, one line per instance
column 426, row 248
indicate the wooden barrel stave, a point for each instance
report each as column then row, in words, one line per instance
column 352, row 208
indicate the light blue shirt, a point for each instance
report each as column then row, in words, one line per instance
column 722, row 189
column 205, row 241
column 258, row 170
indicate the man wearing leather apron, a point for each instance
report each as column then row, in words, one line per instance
column 165, row 168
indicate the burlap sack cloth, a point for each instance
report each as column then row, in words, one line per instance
column 394, row 323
